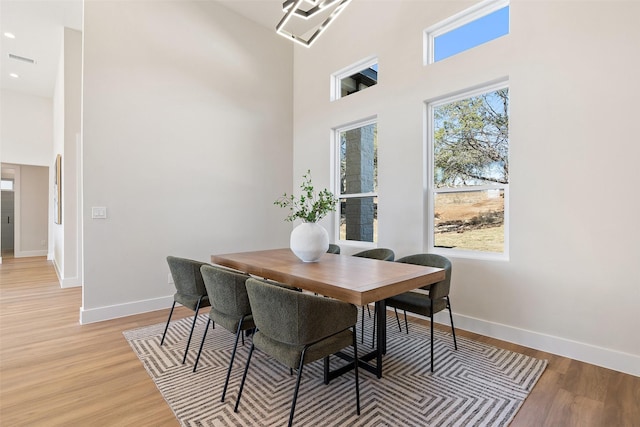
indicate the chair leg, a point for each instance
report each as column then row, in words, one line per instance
column 406, row 324
column 193, row 325
column 233, row 356
column 168, row 320
column 397, row 319
column 244, row 377
column 204, row 335
column 325, row 363
column 295, row 392
column 453, row 330
column 355, row 369
column 373, row 334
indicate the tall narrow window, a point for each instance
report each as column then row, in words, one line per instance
column 479, row 24
column 469, row 173
column 357, row 150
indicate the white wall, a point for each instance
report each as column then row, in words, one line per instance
column 26, row 128
column 34, row 204
column 56, row 231
column 67, row 123
column 571, row 285
column 187, row 140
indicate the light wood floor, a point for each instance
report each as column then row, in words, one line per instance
column 56, row 372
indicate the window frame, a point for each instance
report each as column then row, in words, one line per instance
column 460, row 19
column 338, row 76
column 430, row 189
column 336, row 131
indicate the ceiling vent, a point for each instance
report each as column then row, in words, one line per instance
column 22, row 58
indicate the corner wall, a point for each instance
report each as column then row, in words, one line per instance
column 187, row 118
column 66, row 142
column 573, row 95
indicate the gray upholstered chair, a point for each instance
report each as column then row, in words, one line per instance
column 230, row 307
column 333, row 249
column 382, row 254
column 423, row 303
column 297, row 328
column 190, row 291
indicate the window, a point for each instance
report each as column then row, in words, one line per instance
column 6, row 184
column 354, row 78
column 357, row 157
column 469, row 171
column 472, row 27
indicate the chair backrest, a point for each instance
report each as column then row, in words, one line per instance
column 333, row 249
column 297, row 318
column 186, row 276
column 383, row 254
column 226, row 290
column 441, row 288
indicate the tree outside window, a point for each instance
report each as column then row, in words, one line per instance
column 470, row 178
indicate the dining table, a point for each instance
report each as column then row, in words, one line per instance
column 356, row 280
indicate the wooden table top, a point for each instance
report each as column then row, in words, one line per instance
column 352, row 279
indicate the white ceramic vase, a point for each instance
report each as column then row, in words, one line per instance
column 309, row 241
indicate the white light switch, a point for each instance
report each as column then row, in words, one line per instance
column 99, row 213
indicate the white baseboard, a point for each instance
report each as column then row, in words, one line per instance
column 26, row 254
column 109, row 312
column 71, row 282
column 607, row 358
column 66, row 282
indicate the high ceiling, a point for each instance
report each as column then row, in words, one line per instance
column 37, row 26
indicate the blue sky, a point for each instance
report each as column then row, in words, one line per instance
column 474, row 33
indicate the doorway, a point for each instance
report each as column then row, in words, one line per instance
column 7, row 215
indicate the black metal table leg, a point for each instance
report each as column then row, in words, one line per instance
column 377, row 353
column 381, row 311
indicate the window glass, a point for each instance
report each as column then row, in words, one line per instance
column 475, row 26
column 470, row 171
column 359, row 219
column 6, row 184
column 470, row 220
column 354, row 78
column 358, row 181
column 359, row 81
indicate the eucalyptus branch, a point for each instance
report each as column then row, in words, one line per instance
column 309, row 206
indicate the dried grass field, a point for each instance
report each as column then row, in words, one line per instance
column 472, row 220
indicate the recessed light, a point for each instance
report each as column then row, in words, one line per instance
column 14, row 75
column 10, row 35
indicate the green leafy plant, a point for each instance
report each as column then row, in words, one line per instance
column 310, row 206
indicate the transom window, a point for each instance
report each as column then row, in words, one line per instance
column 354, row 78
column 357, row 158
column 469, row 179
column 472, row 27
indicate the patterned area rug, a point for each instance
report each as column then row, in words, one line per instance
column 476, row 385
